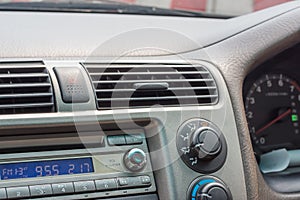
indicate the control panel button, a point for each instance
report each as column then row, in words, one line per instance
column 134, row 139
column 123, row 181
column 40, row 190
column 106, row 184
column 3, row 193
column 84, row 186
column 145, row 180
column 17, row 192
column 72, row 85
column 62, row 188
column 114, row 140
column 132, row 182
column 135, row 182
column 135, row 160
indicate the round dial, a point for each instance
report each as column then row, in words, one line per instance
column 207, row 144
column 201, row 145
column 208, row 188
column 272, row 110
column 135, row 160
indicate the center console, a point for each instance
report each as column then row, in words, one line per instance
column 125, row 130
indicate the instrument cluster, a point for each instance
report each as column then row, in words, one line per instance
column 272, row 103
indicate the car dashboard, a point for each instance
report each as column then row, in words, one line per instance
column 110, row 106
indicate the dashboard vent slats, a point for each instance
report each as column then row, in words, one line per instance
column 25, row 89
column 114, row 85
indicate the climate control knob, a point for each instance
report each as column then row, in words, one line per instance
column 135, row 160
column 201, row 145
column 206, row 142
column 208, row 188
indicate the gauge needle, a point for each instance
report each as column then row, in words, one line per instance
column 283, row 115
column 296, row 85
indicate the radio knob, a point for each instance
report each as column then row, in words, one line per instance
column 135, row 160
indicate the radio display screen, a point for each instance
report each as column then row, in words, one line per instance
column 46, row 168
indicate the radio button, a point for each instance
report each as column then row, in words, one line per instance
column 62, row 188
column 114, row 140
column 106, row 184
column 84, row 186
column 134, row 182
column 123, row 181
column 133, row 139
column 18, row 192
column 3, row 193
column 145, row 180
column 40, row 190
column 138, row 181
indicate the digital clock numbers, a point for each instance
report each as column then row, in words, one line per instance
column 46, row 168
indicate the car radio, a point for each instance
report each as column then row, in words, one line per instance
column 119, row 165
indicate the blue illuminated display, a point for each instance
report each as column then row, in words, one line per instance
column 46, row 168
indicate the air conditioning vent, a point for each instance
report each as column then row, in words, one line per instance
column 25, row 88
column 125, row 86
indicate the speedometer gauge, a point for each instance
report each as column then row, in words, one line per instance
column 272, row 109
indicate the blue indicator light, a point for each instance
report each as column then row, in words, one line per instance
column 193, row 198
column 194, row 193
column 206, row 181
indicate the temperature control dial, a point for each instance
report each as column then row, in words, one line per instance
column 208, row 188
column 135, row 160
column 201, row 145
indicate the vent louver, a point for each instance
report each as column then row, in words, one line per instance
column 25, row 88
column 118, row 86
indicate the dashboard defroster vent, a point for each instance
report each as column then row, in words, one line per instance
column 25, row 88
column 146, row 85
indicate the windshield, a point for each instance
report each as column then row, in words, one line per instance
column 220, row 7
column 211, row 7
